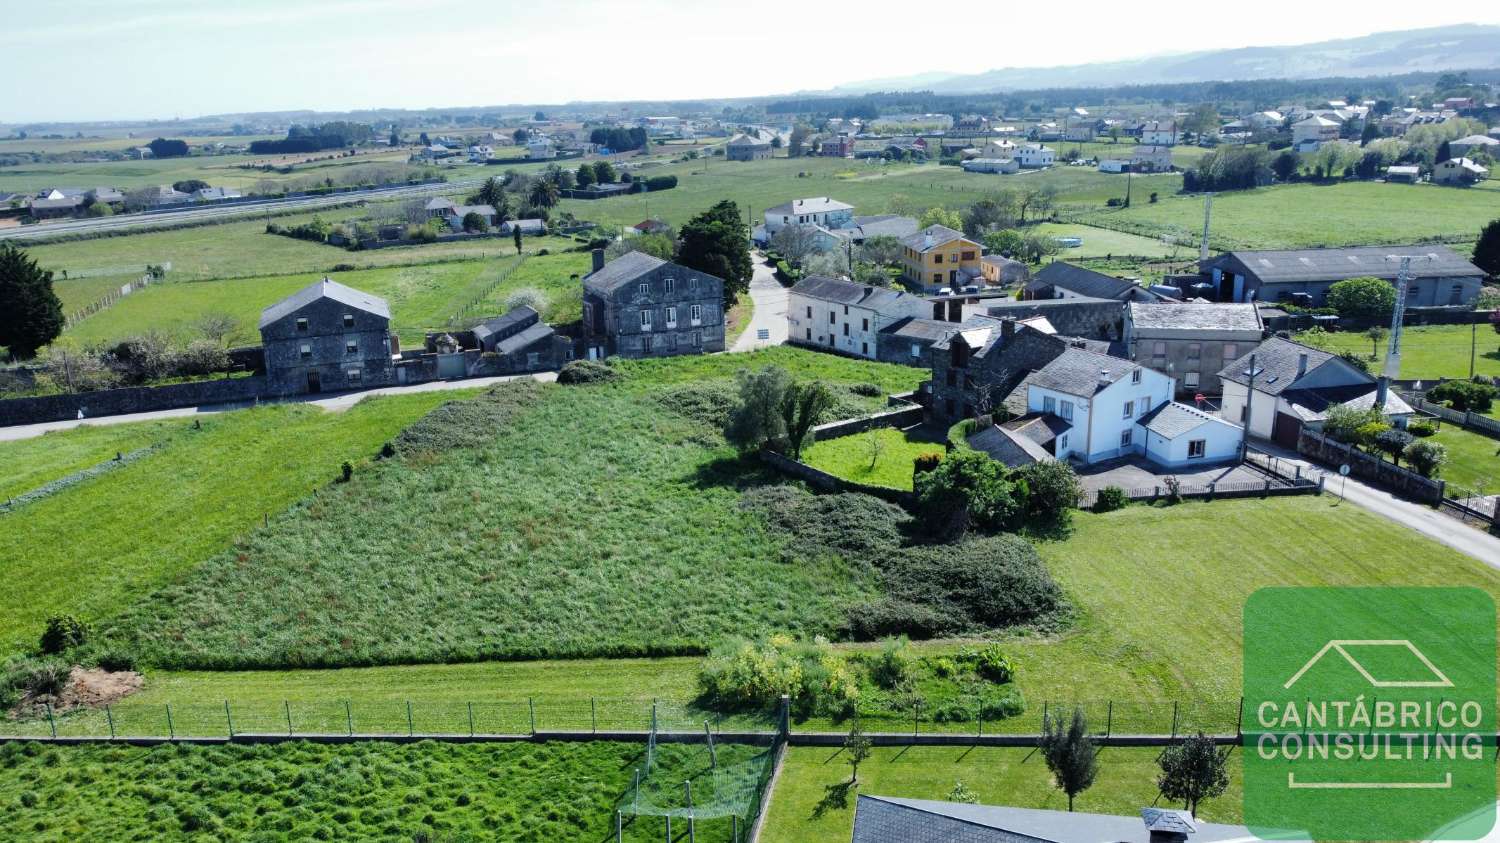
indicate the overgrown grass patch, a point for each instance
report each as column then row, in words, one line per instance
column 359, row 791
column 880, row 457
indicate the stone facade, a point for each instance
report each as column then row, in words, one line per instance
column 327, row 337
column 641, row 306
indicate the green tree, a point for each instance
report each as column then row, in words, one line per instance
column 966, row 490
column 1069, row 753
column 31, row 314
column 801, row 406
column 1425, row 458
column 1050, row 490
column 1366, row 297
column 543, row 193
column 1371, row 132
column 1393, row 441
column 881, row 250
column 520, row 136
column 942, row 216
column 189, row 185
column 604, row 173
column 1202, row 120
column 1008, row 242
column 1344, row 423
column 1487, row 250
column 756, row 419
column 475, row 221
column 1377, row 336
column 515, row 233
column 718, row 243
column 584, row 176
column 857, row 746
column 1285, row 165
column 1192, row 771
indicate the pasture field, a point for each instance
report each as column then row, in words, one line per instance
column 93, row 548
column 813, row 802
column 881, row 457
column 1307, row 215
column 1102, row 242
column 232, row 170
column 359, row 791
column 1428, row 352
column 30, row 463
column 422, row 297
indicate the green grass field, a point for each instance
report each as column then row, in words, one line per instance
column 812, row 802
column 30, row 463
column 1428, row 352
column 422, row 297
column 361, row 791
column 882, row 457
column 94, row 548
column 1102, row 242
column 1473, row 464
column 589, row 523
column 218, row 170
column 1303, row 215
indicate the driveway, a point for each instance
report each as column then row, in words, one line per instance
column 1423, row 519
column 768, row 323
column 1139, row 473
column 336, row 403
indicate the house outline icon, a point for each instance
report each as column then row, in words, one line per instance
column 1338, row 645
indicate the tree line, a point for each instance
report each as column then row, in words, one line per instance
column 333, row 135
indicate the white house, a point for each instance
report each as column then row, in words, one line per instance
column 1264, row 120
column 1314, row 132
column 832, row 313
column 1113, row 165
column 1159, row 133
column 998, row 149
column 817, row 210
column 1458, row 171
column 541, row 150
column 1033, row 157
column 1292, row 385
column 481, row 152
column 1151, row 159
column 991, row 165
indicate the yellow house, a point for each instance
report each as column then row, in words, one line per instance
column 937, row 257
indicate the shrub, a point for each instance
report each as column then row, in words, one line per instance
column 346, row 472
column 977, row 584
column 1425, row 458
column 944, row 667
column 586, row 371
column 39, row 677
column 1050, row 490
column 925, row 462
column 1367, row 297
column 1422, row 428
column 468, row 423
column 63, row 633
column 1392, row 441
column 1174, row 490
column 860, row 528
column 1011, row 703
column 1344, row 423
column 202, row 357
column 747, row 676
column 1464, row 395
column 1110, row 498
column 710, row 402
column 868, row 390
column 991, row 663
column 891, row 669
column 527, row 297
column 968, row 489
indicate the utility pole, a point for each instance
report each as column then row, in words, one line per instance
column 1249, row 396
column 1129, row 174
column 1208, row 207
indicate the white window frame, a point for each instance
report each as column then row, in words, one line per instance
column 1190, row 379
column 348, row 320
column 671, row 316
column 302, row 325
column 645, row 319
column 1135, row 376
column 354, row 376
column 1202, row 447
column 305, row 351
column 1065, row 410
column 644, row 288
column 1129, row 410
column 1126, row 437
column 695, row 314
column 1049, row 404
column 671, row 283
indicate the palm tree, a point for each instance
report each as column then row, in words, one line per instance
column 543, row 193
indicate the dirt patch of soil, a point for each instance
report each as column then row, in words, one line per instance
column 90, row 687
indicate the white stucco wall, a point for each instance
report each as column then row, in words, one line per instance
column 1221, row 443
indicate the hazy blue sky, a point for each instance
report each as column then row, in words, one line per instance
column 126, row 59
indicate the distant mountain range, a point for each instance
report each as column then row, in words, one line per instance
column 1466, row 46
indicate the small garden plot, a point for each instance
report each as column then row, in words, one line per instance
column 359, row 791
column 879, row 457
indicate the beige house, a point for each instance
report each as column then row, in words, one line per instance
column 1314, row 131
column 1458, row 171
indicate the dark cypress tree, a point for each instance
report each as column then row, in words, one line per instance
column 30, row 313
column 1487, row 250
column 718, row 243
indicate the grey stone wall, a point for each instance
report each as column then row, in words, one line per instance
column 1366, row 467
column 138, row 399
column 616, row 322
column 327, row 336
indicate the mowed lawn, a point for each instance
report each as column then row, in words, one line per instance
column 812, row 802
column 1305, row 215
column 564, row 792
column 422, row 297
column 93, row 548
column 880, row 457
column 1473, row 464
column 1101, row 242
column 1429, row 352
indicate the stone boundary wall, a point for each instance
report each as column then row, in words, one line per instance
column 1366, row 467
column 134, row 399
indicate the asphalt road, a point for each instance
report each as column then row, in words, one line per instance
column 770, row 300
column 201, row 213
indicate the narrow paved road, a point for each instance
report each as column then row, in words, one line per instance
column 337, row 403
column 1423, row 519
column 770, row 300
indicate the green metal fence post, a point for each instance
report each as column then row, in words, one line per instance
column 692, row 826
column 287, row 706
column 411, row 729
column 471, row 720
column 349, row 717
column 713, row 756
column 531, row 705
column 228, row 720
column 619, row 826
column 109, row 717
column 51, row 722
column 916, row 708
column 171, row 730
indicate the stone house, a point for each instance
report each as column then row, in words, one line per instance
column 746, row 148
column 521, row 342
column 1191, row 341
column 1151, row 159
column 326, row 336
column 641, row 306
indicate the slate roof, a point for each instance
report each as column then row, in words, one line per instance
column 940, row 234
column 814, row 205
column 1475, row 140
column 890, row 819
column 438, row 203
column 329, row 289
column 848, row 292
column 510, row 345
column 1008, row 447
column 1173, row 419
column 746, row 140
column 1314, row 404
column 919, row 329
column 499, row 324
column 1276, row 365
column 1194, row 317
column 531, row 226
column 887, row 225
column 1081, row 372
column 1084, row 282
column 622, row 270
column 1291, row 266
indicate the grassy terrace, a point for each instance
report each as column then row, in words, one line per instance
column 1430, row 352
column 363, row 791
column 421, row 297
column 31, row 463
column 881, row 457
column 813, row 803
column 1302, row 215
column 94, row 548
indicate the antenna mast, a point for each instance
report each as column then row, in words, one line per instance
column 1392, row 367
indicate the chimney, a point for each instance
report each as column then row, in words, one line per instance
column 598, row 260
column 927, row 241
column 1007, row 330
column 1382, row 387
column 1301, row 364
